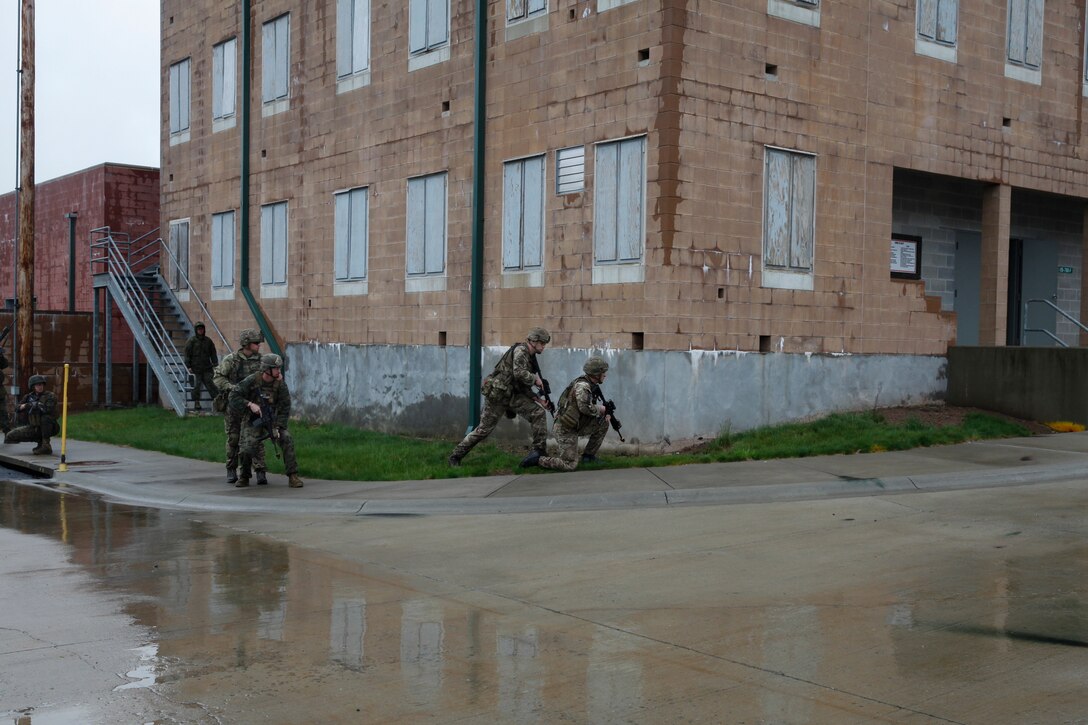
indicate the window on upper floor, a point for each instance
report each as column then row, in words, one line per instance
column 428, row 32
column 224, row 84
column 352, row 44
column 799, row 11
column 222, row 250
column 276, row 64
column 177, row 247
column 179, row 102
column 523, row 217
column 789, row 218
column 425, row 256
column 936, row 27
column 525, row 17
column 1024, row 56
column 350, row 241
column 619, row 210
column 274, row 249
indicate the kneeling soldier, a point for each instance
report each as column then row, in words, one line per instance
column 263, row 403
column 577, row 414
column 37, row 417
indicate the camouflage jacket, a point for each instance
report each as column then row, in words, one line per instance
column 254, row 389
column 200, row 355
column 234, row 368
column 513, row 375
column 44, row 415
column 576, row 408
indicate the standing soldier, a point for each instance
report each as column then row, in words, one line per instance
column 234, row 368
column 201, row 359
column 578, row 414
column 508, row 391
column 263, row 402
column 37, row 416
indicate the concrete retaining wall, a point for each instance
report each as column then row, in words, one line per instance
column 660, row 396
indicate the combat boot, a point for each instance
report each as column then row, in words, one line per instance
column 43, row 448
column 262, row 479
column 454, row 460
column 294, row 481
column 532, row 459
column 590, row 458
column 242, row 482
column 232, row 475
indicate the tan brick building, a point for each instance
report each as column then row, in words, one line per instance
column 676, row 183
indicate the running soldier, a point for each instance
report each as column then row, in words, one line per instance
column 234, row 368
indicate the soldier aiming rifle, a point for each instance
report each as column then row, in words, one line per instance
column 580, row 414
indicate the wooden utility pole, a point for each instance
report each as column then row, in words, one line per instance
column 24, row 302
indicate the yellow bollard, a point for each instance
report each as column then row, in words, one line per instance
column 64, row 423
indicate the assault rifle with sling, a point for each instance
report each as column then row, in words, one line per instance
column 266, row 420
column 609, row 409
column 545, row 390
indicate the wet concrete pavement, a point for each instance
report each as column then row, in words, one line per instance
column 965, row 604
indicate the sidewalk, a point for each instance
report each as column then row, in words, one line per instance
column 154, row 479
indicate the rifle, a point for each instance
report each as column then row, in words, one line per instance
column 266, row 419
column 5, row 333
column 545, row 390
column 609, row 408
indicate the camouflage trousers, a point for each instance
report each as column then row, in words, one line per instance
column 567, row 442
column 252, row 447
column 27, row 434
column 232, row 426
column 489, row 418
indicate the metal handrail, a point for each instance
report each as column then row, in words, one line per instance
column 195, row 294
column 1025, row 329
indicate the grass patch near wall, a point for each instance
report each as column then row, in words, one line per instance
column 340, row 452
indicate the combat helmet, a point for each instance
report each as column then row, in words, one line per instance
column 249, row 336
column 199, row 325
column 596, row 365
column 271, row 360
column 35, row 379
column 539, row 334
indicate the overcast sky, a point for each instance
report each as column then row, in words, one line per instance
column 97, row 85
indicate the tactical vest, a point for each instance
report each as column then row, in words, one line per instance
column 567, row 411
column 499, row 385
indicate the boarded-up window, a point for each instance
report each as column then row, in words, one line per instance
column 1026, row 33
column 177, row 266
column 274, row 243
column 522, row 9
column 937, row 20
column 789, row 210
column 223, row 249
column 276, row 59
column 618, row 201
column 428, row 24
column 570, row 170
column 352, row 37
column 426, row 252
column 224, row 60
column 523, row 214
column 179, row 96
column 350, row 246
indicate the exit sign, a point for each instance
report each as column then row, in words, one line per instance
column 1065, row 270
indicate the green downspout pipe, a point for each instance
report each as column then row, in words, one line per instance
column 243, row 205
column 476, row 285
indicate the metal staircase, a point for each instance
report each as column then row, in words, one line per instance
column 131, row 271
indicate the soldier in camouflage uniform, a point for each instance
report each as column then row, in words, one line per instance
column 37, row 415
column 264, row 387
column 508, row 391
column 234, row 368
column 200, row 360
column 578, row 414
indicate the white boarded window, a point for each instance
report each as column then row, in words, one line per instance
column 352, row 37
column 223, row 250
column 276, row 59
column 179, row 97
column 619, row 201
column 1025, row 43
column 350, row 245
column 177, row 267
column 523, row 214
column 937, row 20
column 789, row 211
column 224, row 78
column 426, row 243
column 570, row 170
column 428, row 24
column 522, row 9
column 274, row 243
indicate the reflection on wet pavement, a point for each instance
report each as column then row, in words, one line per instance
column 117, row 614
